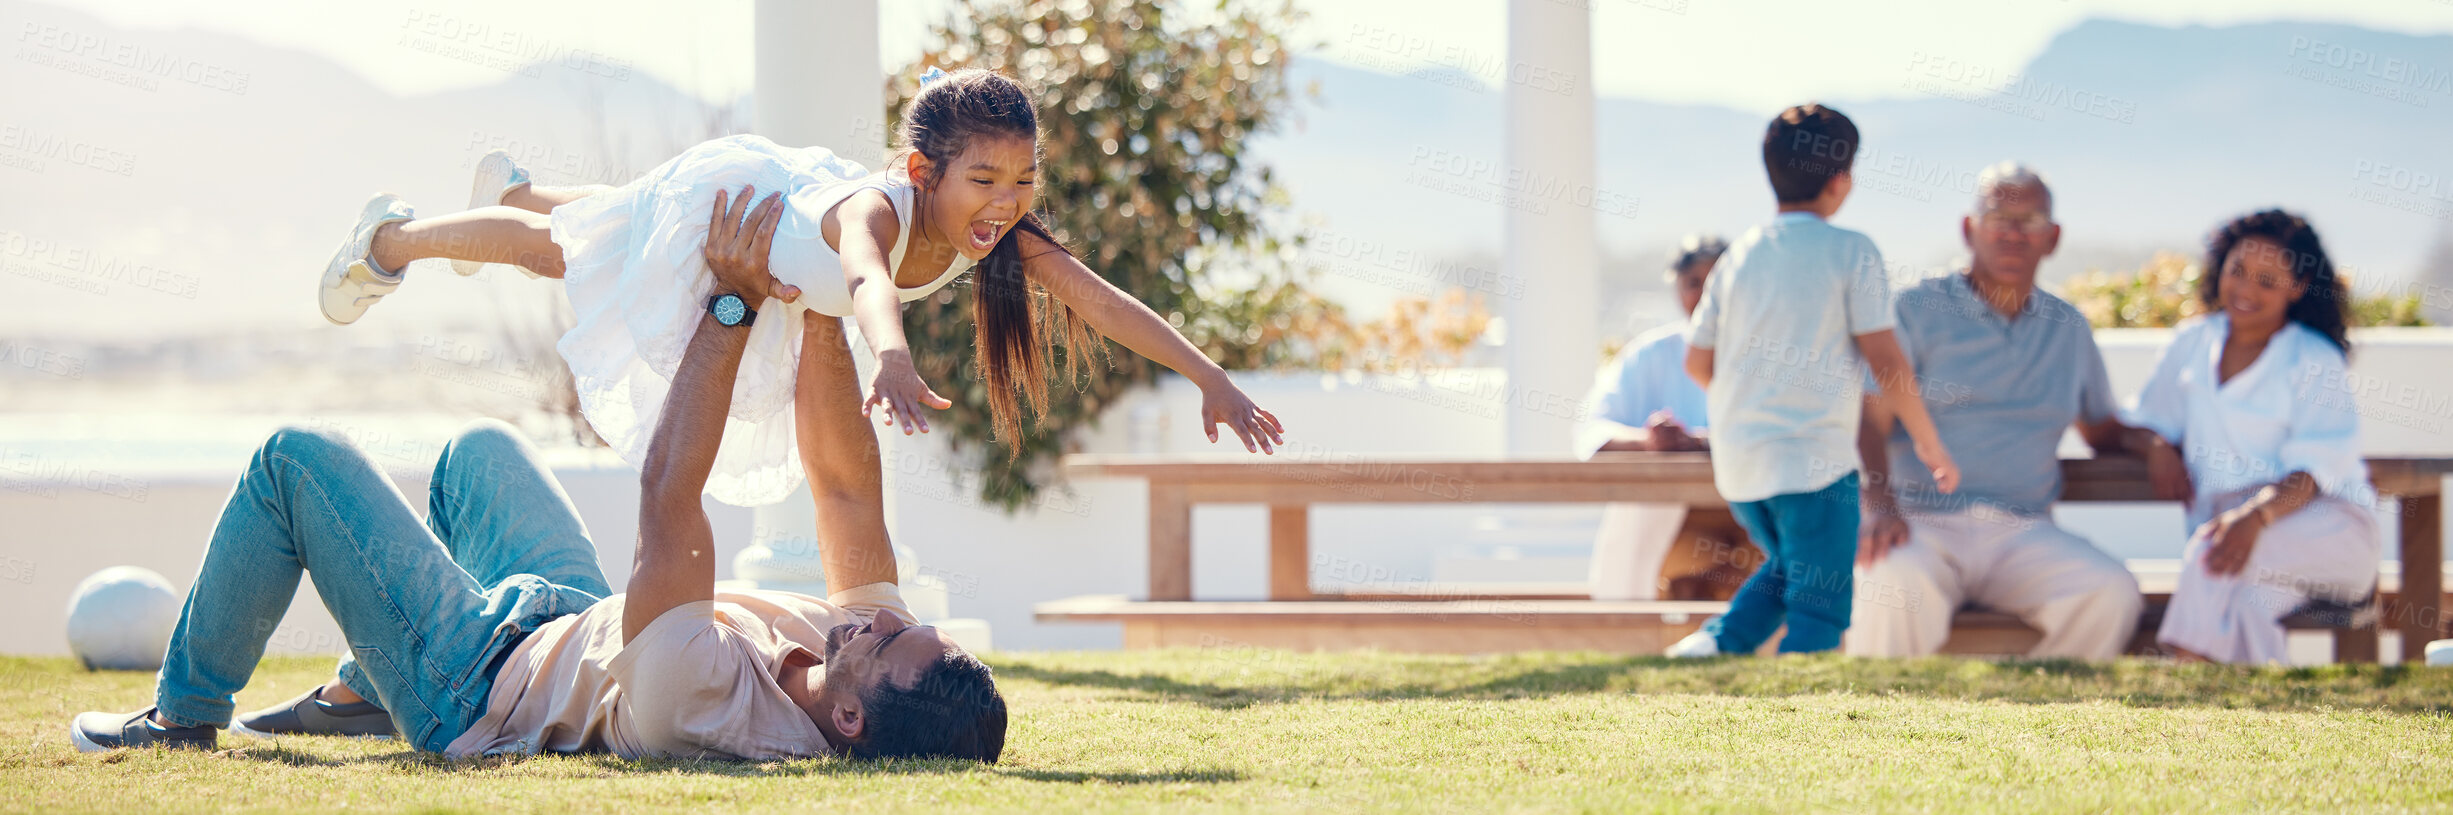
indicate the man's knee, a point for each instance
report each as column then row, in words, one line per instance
column 489, row 435
column 306, row 442
column 2105, row 580
column 2116, row 594
column 1904, row 584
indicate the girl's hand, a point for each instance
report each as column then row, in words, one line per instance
column 736, row 249
column 1261, row 432
column 1945, row 471
column 898, row 386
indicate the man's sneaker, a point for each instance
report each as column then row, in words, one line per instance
column 310, row 715
column 496, row 174
column 1696, row 646
column 352, row 281
column 97, row 731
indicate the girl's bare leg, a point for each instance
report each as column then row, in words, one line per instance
column 490, row 234
column 543, row 200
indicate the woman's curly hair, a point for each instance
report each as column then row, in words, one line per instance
column 2325, row 303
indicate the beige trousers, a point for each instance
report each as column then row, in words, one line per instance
column 2084, row 600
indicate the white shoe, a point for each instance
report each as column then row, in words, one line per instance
column 1696, row 646
column 496, row 174
column 352, row 282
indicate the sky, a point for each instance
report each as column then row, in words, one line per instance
column 1818, row 49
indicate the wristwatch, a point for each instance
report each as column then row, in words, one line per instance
column 729, row 310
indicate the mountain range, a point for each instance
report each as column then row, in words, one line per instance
column 169, row 183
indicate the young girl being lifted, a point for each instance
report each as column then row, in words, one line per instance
column 846, row 243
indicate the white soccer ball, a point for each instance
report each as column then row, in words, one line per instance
column 120, row 619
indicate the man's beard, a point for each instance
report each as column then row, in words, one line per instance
column 835, row 638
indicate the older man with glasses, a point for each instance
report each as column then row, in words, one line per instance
column 2005, row 368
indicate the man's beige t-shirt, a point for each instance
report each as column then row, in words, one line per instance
column 700, row 682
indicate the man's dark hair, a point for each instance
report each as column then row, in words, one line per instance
column 1804, row 148
column 952, row 711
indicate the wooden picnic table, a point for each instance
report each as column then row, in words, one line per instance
column 1289, row 487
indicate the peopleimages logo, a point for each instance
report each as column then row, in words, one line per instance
column 2403, row 179
column 141, row 64
column 20, row 141
column 2391, row 70
column 2010, row 91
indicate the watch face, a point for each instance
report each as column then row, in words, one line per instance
column 729, row 310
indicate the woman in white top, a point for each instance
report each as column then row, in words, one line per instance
column 857, row 244
column 2246, row 419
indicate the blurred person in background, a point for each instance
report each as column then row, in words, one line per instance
column 1643, row 401
column 2247, row 419
column 2007, row 368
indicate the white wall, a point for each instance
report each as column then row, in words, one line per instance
column 64, row 517
column 81, row 506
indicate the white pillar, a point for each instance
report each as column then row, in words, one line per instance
column 819, row 84
column 1552, row 343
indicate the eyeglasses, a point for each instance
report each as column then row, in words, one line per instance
column 2032, row 223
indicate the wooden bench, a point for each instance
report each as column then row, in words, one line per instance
column 1488, row 623
column 1484, row 619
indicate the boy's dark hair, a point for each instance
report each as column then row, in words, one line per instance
column 952, row 711
column 2325, row 302
column 1804, row 148
column 1015, row 322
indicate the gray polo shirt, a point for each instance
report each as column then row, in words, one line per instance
column 2001, row 392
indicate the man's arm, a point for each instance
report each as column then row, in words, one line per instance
column 2105, row 436
column 839, row 453
column 673, row 562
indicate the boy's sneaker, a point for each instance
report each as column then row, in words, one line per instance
column 352, row 282
column 496, row 174
column 310, row 715
column 1696, row 646
column 96, row 731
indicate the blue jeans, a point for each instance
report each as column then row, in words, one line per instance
column 1807, row 580
column 427, row 608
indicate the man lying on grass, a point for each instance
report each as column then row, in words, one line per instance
column 487, row 629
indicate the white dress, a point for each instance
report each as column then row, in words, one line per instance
column 638, row 285
column 2289, row 411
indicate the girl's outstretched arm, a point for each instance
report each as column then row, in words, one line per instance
column 861, row 228
column 1124, row 318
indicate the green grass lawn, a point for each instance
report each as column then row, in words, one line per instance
column 1235, row 729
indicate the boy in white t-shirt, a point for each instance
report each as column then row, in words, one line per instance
column 1802, row 308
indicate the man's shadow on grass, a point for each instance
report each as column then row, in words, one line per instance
column 289, row 752
column 2138, row 683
